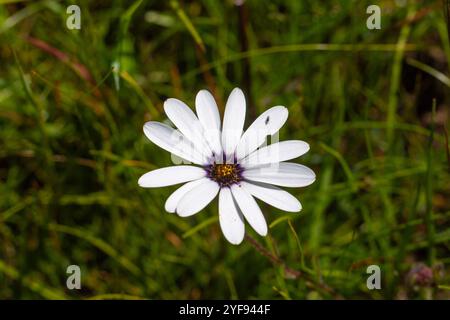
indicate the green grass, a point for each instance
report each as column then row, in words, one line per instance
column 72, row 107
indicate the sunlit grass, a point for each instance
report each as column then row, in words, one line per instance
column 72, row 148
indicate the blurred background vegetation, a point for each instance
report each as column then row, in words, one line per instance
column 72, row 107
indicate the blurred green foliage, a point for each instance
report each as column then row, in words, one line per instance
column 72, row 107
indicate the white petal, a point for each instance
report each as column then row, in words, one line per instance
column 250, row 209
column 173, row 200
column 207, row 110
column 173, row 141
column 170, row 175
column 198, row 198
column 186, row 121
column 274, row 196
column 230, row 219
column 233, row 121
column 209, row 117
column 276, row 152
column 285, row 174
column 268, row 123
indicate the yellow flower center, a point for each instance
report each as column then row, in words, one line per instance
column 225, row 174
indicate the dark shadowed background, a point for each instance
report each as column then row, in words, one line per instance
column 72, row 107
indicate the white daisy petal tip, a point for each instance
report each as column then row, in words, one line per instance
column 236, row 241
column 268, row 123
column 173, row 141
column 282, row 114
column 197, row 198
column 276, row 152
column 188, row 124
column 170, row 175
column 173, row 200
column 209, row 117
column 284, row 174
column 272, row 195
column 298, row 207
column 233, row 121
column 230, row 218
column 141, row 182
column 238, row 91
column 250, row 209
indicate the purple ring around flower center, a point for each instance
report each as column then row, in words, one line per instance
column 225, row 174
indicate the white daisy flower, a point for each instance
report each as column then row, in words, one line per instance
column 227, row 162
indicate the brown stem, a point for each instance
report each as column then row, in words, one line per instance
column 310, row 282
column 294, row 273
